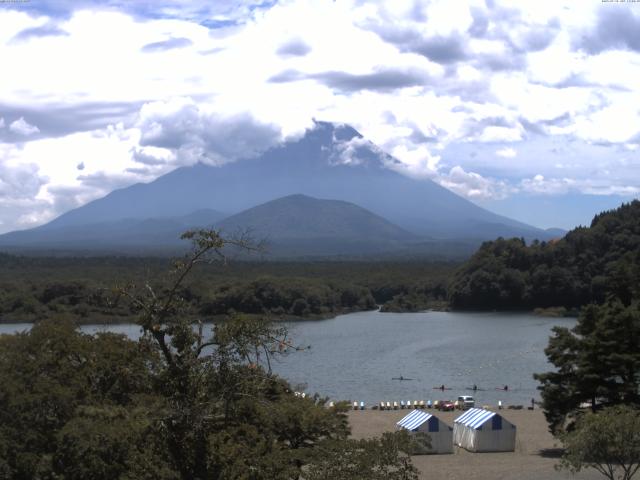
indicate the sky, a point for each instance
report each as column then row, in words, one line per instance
column 529, row 108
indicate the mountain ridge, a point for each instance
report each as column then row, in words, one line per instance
column 329, row 162
column 301, row 225
column 329, row 216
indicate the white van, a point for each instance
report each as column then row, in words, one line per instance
column 466, row 401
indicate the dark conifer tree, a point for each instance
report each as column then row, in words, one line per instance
column 597, row 363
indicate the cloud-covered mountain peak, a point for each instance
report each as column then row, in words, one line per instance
column 337, row 132
column 341, row 144
column 329, row 161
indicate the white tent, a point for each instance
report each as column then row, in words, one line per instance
column 479, row 430
column 440, row 434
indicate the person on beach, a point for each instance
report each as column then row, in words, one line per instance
column 533, row 402
column 506, row 387
column 442, row 387
column 475, row 387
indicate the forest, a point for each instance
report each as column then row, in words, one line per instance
column 588, row 265
column 83, row 288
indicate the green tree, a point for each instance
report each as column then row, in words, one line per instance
column 597, row 362
column 608, row 442
column 103, row 443
column 220, row 393
column 227, row 416
column 181, row 403
column 587, row 265
column 48, row 374
column 383, row 458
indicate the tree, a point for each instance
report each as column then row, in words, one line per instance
column 48, row 376
column 608, row 442
column 597, row 362
column 221, row 396
column 179, row 404
column 586, row 265
column 383, row 458
column 107, row 442
column 226, row 415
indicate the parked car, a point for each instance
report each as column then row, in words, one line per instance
column 445, row 405
column 465, row 402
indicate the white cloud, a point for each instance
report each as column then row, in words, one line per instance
column 1, row 122
column 494, row 134
column 22, row 127
column 347, row 152
column 196, row 133
column 417, row 161
column 153, row 156
column 501, row 76
column 617, row 122
column 539, row 184
column 507, row 152
column 20, row 183
column 560, row 186
column 473, row 185
column 53, row 163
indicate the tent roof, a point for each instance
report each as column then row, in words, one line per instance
column 414, row 420
column 474, row 417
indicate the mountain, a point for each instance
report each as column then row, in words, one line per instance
column 126, row 234
column 328, row 161
column 556, row 232
column 301, row 225
column 300, row 216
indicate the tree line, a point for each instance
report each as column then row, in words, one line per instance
column 588, row 265
column 37, row 288
column 591, row 399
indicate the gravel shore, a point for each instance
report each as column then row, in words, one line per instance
column 534, row 458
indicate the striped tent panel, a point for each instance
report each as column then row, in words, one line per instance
column 414, row 420
column 407, row 419
column 469, row 413
column 474, row 417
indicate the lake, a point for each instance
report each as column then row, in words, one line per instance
column 356, row 356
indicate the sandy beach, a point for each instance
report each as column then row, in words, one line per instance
column 534, row 458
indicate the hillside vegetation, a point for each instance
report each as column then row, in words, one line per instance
column 586, row 266
column 36, row 288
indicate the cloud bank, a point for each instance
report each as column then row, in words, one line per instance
column 491, row 99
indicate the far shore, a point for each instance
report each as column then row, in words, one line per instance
column 534, row 458
column 101, row 319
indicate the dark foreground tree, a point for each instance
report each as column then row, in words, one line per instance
column 608, row 442
column 69, row 396
column 226, row 414
column 181, row 403
column 383, row 458
column 597, row 363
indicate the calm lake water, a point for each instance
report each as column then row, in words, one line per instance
column 356, row 356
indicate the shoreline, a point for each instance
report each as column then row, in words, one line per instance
column 104, row 319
